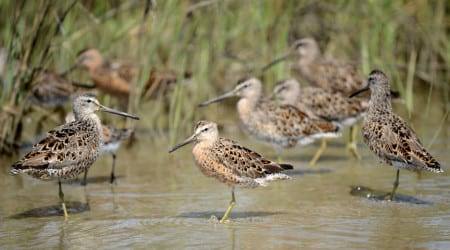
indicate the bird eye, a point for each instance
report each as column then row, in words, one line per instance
column 89, row 100
column 205, row 129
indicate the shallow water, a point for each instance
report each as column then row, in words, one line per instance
column 163, row 201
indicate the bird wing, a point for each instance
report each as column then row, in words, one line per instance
column 245, row 162
column 338, row 76
column 398, row 143
column 110, row 81
column 331, row 106
column 124, row 70
column 63, row 146
column 293, row 122
column 111, row 134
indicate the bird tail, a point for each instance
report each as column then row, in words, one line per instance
column 434, row 167
column 271, row 177
column 15, row 171
column 286, row 166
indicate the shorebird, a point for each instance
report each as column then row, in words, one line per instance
column 388, row 136
column 69, row 149
column 229, row 162
column 323, row 104
column 110, row 141
column 115, row 77
column 329, row 74
column 53, row 89
column 159, row 83
column 281, row 126
column 51, row 92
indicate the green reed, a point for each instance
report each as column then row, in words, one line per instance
column 218, row 42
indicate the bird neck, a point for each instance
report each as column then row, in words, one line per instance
column 95, row 64
column 380, row 100
column 309, row 58
column 291, row 97
column 91, row 117
column 247, row 104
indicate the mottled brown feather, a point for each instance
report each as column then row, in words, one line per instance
column 388, row 135
column 229, row 162
column 71, row 147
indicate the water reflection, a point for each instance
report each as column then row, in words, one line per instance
column 312, row 171
column 165, row 203
column 378, row 195
column 73, row 207
column 93, row 180
column 233, row 215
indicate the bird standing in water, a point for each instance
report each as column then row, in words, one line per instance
column 70, row 149
column 111, row 139
column 324, row 104
column 389, row 136
column 229, row 162
column 282, row 126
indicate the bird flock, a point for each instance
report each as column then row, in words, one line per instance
column 293, row 115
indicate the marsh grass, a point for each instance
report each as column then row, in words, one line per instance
column 218, row 42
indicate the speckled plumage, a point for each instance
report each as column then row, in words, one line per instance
column 50, row 159
column 321, row 103
column 110, row 141
column 53, row 89
column 388, row 136
column 329, row 74
column 115, row 77
column 333, row 75
column 279, row 125
column 229, row 162
column 112, row 138
column 69, row 149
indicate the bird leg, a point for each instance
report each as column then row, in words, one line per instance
column 113, row 177
column 230, row 207
column 352, row 143
column 319, row 152
column 84, row 181
column 391, row 198
column 61, row 198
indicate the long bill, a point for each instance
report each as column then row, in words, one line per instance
column 117, row 112
column 276, row 61
column 69, row 70
column 218, row 99
column 185, row 142
column 359, row 91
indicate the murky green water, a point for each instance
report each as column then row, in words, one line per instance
column 163, row 201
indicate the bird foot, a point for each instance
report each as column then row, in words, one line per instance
column 213, row 219
column 313, row 164
column 227, row 221
column 112, row 180
column 66, row 214
column 388, row 197
column 353, row 150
